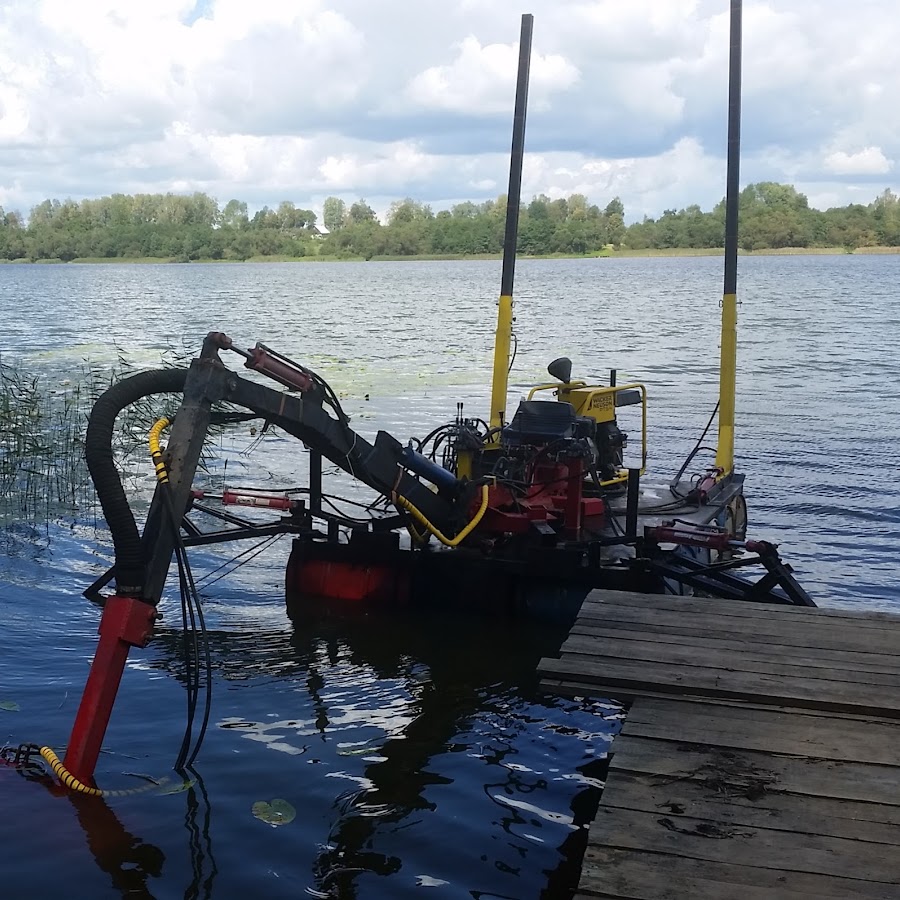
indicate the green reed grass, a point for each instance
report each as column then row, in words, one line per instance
column 43, row 420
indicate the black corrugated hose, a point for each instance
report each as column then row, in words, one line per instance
column 102, row 466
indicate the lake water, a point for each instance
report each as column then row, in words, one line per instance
column 417, row 754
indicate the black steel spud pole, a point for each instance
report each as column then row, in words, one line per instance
column 503, row 338
column 728, row 364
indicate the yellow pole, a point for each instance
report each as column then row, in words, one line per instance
column 727, row 378
column 502, row 340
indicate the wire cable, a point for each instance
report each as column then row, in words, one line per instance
column 258, row 548
column 191, row 613
column 697, row 448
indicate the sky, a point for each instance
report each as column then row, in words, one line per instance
column 271, row 100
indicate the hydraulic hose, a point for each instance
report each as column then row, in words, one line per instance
column 101, row 464
column 162, row 473
column 68, row 780
column 449, row 542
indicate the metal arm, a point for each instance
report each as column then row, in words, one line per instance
column 300, row 414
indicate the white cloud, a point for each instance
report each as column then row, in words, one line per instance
column 482, row 79
column 295, row 99
column 868, row 161
column 652, row 184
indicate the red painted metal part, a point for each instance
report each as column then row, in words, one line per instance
column 555, row 496
column 126, row 622
column 357, row 582
column 572, row 499
column 279, row 369
column 249, row 498
column 669, row 534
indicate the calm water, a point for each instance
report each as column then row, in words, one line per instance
column 417, row 754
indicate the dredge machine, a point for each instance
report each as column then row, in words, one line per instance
column 520, row 513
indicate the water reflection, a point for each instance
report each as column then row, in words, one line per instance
column 420, row 714
column 130, row 862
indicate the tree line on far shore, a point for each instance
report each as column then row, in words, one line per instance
column 189, row 227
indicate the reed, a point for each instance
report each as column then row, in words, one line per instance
column 43, row 420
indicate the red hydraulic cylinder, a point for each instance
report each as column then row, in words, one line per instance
column 126, row 622
column 269, row 501
column 572, row 505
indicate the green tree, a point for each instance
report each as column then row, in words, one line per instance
column 408, row 210
column 334, row 212
column 234, row 215
column 361, row 212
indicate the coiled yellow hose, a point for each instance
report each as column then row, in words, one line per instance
column 162, row 473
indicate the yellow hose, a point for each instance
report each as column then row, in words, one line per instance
column 68, row 780
column 449, row 542
column 162, row 473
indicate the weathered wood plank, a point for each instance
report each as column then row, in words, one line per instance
column 771, row 730
column 819, row 658
column 683, row 626
column 835, row 634
column 728, row 660
column 627, row 696
column 818, row 778
column 637, row 875
column 874, row 618
column 609, row 673
column 873, row 822
column 729, row 779
column 744, row 845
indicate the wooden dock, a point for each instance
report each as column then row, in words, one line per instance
column 760, row 756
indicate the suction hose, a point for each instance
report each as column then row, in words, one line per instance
column 102, row 466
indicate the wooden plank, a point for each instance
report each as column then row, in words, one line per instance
column 744, row 845
column 859, row 660
column 847, row 819
column 639, row 875
column 669, row 761
column 837, row 634
column 772, row 664
column 872, row 618
column 608, row 673
column 830, row 639
column 770, row 730
column 627, row 698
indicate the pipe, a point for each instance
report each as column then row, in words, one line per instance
column 102, row 466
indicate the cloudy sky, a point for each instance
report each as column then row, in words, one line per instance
column 270, row 100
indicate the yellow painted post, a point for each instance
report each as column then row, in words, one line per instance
column 502, row 340
column 727, row 380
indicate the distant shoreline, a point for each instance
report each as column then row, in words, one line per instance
column 606, row 254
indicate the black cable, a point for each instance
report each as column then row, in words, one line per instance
column 697, row 447
column 207, row 707
column 254, row 551
column 192, row 614
column 432, row 434
column 191, row 665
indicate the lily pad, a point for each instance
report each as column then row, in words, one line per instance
column 278, row 812
column 9, row 705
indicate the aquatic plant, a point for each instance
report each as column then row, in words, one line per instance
column 43, row 420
